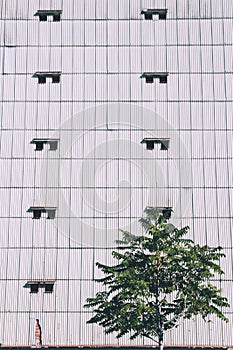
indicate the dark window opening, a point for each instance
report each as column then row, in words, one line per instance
column 150, row 142
column 36, row 214
column 53, row 144
column 165, row 211
column 42, row 18
column 34, row 288
column 39, row 145
column 44, row 14
column 150, row 76
column 48, row 287
column 56, row 79
column 56, row 18
column 150, row 145
column 150, row 79
column 51, row 213
column 37, row 211
column 41, row 76
column 41, row 80
column 35, row 285
column 163, row 79
column 149, row 13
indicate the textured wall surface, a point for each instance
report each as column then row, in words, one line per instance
column 101, row 177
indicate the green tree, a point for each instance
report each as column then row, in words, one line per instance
column 158, row 278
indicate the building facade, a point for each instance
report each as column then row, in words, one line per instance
column 108, row 107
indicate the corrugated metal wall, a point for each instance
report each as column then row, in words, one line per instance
column 101, row 177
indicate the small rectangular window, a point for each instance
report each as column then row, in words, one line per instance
column 53, row 143
column 42, row 76
column 150, row 76
column 150, row 142
column 149, row 13
column 41, row 80
column 48, row 287
column 37, row 211
column 35, row 285
column 166, row 212
column 44, row 14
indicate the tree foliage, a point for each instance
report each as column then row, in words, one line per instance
column 158, row 278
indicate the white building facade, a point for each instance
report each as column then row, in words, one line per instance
column 108, row 107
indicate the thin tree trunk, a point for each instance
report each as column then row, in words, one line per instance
column 161, row 342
